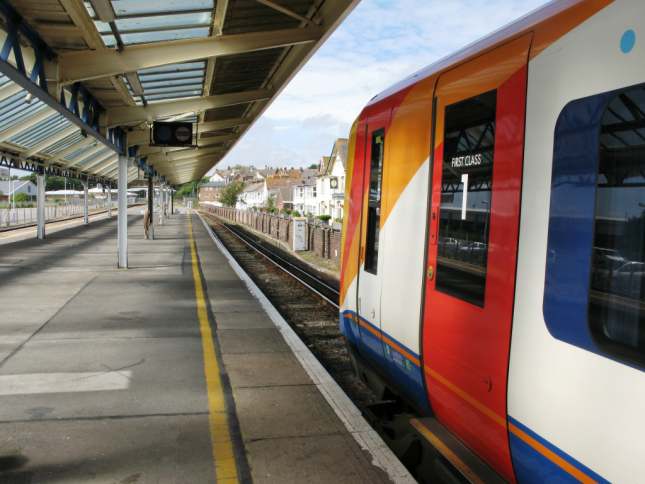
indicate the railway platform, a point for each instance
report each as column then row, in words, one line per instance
column 170, row 371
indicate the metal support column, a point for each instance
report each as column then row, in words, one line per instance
column 151, row 192
column 172, row 202
column 161, row 204
column 109, row 201
column 122, row 214
column 86, row 212
column 40, row 206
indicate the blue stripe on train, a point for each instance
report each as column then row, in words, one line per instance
column 533, row 467
column 402, row 372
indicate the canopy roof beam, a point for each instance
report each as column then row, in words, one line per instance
column 151, row 112
column 286, row 11
column 183, row 154
column 92, row 64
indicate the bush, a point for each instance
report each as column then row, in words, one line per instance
column 21, row 197
column 230, row 193
column 324, row 218
column 295, row 213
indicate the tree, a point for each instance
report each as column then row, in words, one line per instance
column 271, row 204
column 190, row 189
column 59, row 183
column 230, row 193
column 313, row 166
column 31, row 177
column 21, row 197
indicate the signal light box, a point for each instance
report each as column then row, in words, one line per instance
column 172, row 134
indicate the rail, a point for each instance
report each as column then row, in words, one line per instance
column 311, row 281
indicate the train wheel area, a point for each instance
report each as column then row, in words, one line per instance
column 170, row 369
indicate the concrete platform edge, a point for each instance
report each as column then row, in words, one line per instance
column 344, row 408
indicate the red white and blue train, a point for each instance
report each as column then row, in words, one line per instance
column 493, row 265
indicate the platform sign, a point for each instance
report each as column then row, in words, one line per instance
column 299, row 233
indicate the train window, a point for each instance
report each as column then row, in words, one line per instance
column 464, row 215
column 594, row 293
column 374, row 201
column 617, row 289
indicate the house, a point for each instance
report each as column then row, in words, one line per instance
column 278, row 186
column 10, row 187
column 254, row 195
column 210, row 192
column 280, row 189
column 330, row 183
column 217, row 178
column 304, row 193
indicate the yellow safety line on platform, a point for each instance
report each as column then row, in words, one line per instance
column 223, row 453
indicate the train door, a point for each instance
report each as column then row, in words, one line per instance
column 369, row 282
column 472, row 246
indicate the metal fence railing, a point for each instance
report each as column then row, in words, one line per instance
column 27, row 215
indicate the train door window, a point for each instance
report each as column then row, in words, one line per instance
column 466, row 188
column 617, row 293
column 374, row 201
column 594, row 294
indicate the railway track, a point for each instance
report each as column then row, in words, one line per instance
column 309, row 303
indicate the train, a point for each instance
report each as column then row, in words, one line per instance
column 493, row 250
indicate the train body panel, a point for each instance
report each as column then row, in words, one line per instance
column 500, row 347
column 588, row 407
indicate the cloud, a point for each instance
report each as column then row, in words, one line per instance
column 380, row 43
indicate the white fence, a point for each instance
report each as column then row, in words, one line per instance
column 26, row 215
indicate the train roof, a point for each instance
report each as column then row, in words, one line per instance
column 500, row 36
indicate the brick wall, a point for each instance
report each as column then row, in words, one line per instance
column 323, row 241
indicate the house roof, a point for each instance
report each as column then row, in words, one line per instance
column 324, row 163
column 282, row 194
column 253, row 187
column 338, row 151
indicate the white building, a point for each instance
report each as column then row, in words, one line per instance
column 304, row 198
column 10, row 187
column 330, row 184
column 217, row 178
column 254, row 195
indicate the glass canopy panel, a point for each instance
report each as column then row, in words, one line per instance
column 9, row 118
column 4, row 80
column 170, row 97
column 76, row 153
column 168, row 89
column 84, row 158
column 181, row 67
column 15, row 115
column 144, row 21
column 164, row 35
column 24, row 137
column 162, row 22
column 64, row 143
column 172, row 81
column 42, row 131
column 143, row 7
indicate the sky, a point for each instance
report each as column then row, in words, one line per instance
column 378, row 44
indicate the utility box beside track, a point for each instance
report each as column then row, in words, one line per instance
column 300, row 234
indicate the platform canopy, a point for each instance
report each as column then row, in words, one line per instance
column 81, row 82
